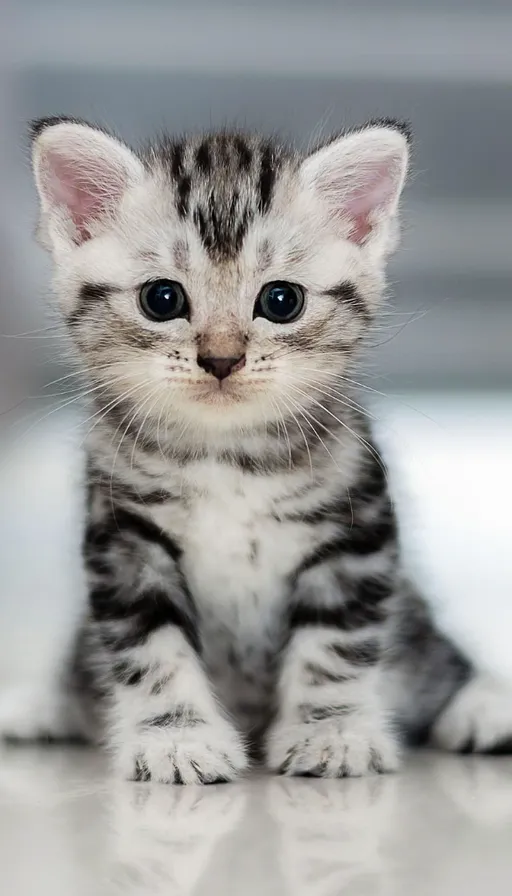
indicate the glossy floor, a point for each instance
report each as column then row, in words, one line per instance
column 443, row 826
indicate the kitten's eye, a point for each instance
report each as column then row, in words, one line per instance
column 163, row 300
column 280, row 302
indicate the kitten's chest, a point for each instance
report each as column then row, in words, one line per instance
column 238, row 555
column 237, row 551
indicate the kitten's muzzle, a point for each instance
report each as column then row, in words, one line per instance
column 220, row 367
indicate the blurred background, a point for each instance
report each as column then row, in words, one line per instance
column 301, row 67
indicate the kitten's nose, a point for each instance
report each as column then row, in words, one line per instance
column 220, row 367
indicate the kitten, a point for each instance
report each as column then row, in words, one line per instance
column 246, row 588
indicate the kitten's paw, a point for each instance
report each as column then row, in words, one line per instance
column 478, row 719
column 332, row 748
column 207, row 753
column 32, row 713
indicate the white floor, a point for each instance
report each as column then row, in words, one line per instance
column 441, row 826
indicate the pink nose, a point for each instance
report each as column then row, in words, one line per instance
column 221, row 367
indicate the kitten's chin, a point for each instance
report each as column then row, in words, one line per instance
column 226, row 408
column 222, row 396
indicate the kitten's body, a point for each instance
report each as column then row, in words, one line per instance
column 246, row 587
column 243, row 532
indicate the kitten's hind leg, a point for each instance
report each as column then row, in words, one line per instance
column 41, row 712
column 59, row 706
column 437, row 695
column 478, row 719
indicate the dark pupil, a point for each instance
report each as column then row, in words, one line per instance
column 163, row 300
column 281, row 301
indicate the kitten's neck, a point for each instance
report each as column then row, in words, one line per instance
column 326, row 444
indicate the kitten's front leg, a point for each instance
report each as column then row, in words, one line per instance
column 165, row 724
column 331, row 720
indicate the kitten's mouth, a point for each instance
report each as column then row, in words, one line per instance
column 219, row 392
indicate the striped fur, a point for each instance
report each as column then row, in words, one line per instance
column 246, row 588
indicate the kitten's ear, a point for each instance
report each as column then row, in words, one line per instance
column 81, row 175
column 359, row 178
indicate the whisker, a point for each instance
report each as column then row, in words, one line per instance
column 78, row 373
column 116, row 455
column 34, row 333
column 297, row 423
column 29, row 336
column 141, row 427
column 347, row 402
column 371, row 450
column 102, row 412
column 287, row 437
column 60, row 407
column 158, row 433
column 310, row 417
column 389, row 397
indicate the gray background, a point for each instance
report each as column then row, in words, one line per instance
column 297, row 67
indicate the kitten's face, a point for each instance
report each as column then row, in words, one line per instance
column 222, row 283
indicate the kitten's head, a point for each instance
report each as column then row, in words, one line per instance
column 218, row 282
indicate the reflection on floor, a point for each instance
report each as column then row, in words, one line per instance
column 442, row 826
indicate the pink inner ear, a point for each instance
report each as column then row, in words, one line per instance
column 375, row 194
column 87, row 193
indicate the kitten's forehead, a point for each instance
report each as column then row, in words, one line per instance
column 221, row 184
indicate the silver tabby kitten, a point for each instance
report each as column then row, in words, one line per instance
column 246, row 592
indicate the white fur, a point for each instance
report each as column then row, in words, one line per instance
column 353, row 744
column 202, row 754
column 481, row 712
column 334, row 747
column 36, row 711
column 109, row 221
column 212, row 748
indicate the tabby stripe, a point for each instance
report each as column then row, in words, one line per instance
column 126, row 520
column 373, row 485
column 360, row 540
column 266, row 179
column 329, row 549
column 364, row 653
column 371, row 537
column 348, row 294
column 372, row 590
column 184, row 187
column 127, row 674
column 177, row 152
column 203, row 159
column 120, row 489
column 141, row 772
column 139, row 618
column 99, row 535
column 310, row 713
column 178, row 717
column 182, row 180
column 347, row 617
column 90, row 294
column 337, row 510
column 319, row 675
column 244, row 154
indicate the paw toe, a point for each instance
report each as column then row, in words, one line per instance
column 330, row 749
